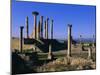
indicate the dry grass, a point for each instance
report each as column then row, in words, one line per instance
column 66, row 64
column 15, row 44
column 80, row 61
column 76, row 62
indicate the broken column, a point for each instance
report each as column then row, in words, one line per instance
column 81, row 46
column 50, row 52
column 47, row 28
column 80, row 40
column 89, row 53
column 93, row 44
column 69, row 40
column 27, row 31
column 21, row 38
column 35, row 23
column 50, row 56
column 41, row 26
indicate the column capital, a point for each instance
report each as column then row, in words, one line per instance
column 69, row 25
column 41, row 16
column 26, row 17
column 35, row 13
column 21, row 27
column 47, row 18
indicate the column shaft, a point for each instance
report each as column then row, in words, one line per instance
column 41, row 26
column 93, row 41
column 51, row 29
column 35, row 26
column 89, row 53
column 38, row 31
column 50, row 53
column 21, row 38
column 69, row 41
column 47, row 28
column 27, row 31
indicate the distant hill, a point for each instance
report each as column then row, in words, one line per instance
column 15, row 44
column 85, row 40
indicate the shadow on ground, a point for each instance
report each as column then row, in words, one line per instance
column 19, row 65
column 22, row 65
column 43, row 44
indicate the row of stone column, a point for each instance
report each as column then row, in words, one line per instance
column 39, row 28
column 50, row 45
column 38, row 31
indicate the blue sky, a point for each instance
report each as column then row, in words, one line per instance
column 81, row 17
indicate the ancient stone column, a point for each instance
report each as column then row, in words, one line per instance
column 50, row 56
column 51, row 29
column 38, row 31
column 47, row 28
column 50, row 52
column 93, row 41
column 35, row 27
column 80, row 39
column 81, row 46
column 27, row 31
column 21, row 38
column 35, row 23
column 89, row 53
column 69, row 40
column 41, row 26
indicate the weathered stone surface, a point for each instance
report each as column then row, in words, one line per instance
column 27, row 28
column 35, row 24
column 89, row 53
column 69, row 40
column 21, row 38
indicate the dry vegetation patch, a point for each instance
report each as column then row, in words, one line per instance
column 68, row 64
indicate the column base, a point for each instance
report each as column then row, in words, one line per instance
column 89, row 57
column 50, row 56
column 93, row 45
column 68, row 56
